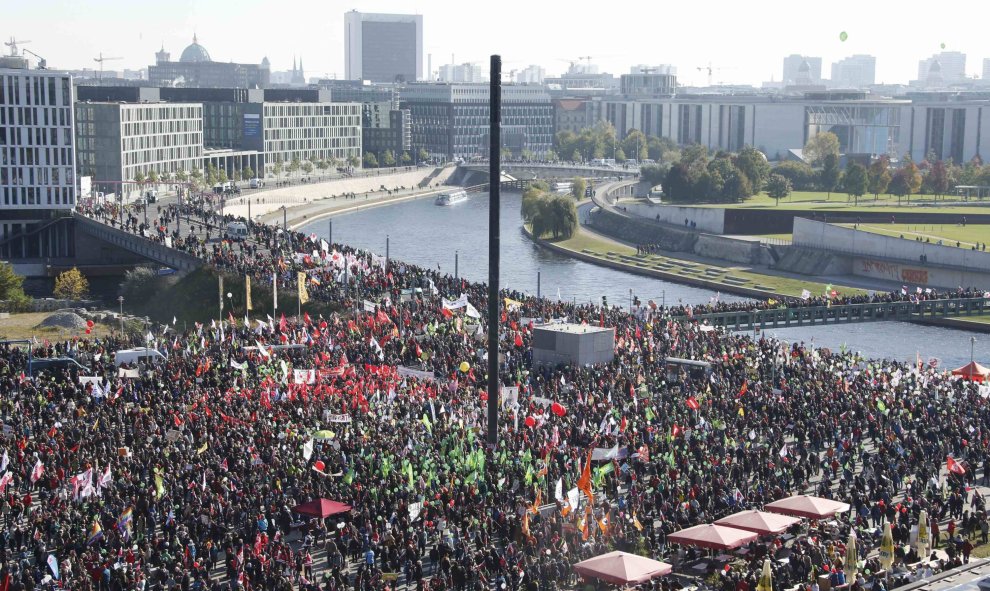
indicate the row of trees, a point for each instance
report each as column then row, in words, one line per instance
column 722, row 178
column 601, row 141
column 387, row 158
column 548, row 214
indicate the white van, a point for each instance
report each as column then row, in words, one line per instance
column 138, row 355
column 236, row 231
column 257, row 183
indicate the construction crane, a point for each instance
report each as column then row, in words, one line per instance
column 711, row 69
column 102, row 59
column 42, row 62
column 12, row 44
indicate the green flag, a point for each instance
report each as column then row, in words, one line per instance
column 649, row 414
column 427, row 423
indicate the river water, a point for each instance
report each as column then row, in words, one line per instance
column 427, row 235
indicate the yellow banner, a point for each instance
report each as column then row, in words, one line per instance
column 247, row 288
column 301, row 282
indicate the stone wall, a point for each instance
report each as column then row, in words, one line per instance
column 706, row 219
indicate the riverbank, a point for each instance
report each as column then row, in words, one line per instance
column 306, row 213
column 594, row 248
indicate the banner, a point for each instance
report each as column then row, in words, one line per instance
column 510, row 396
column 221, row 294
column 304, row 376
column 247, row 292
column 414, row 510
column 408, row 372
column 130, row 374
column 368, row 306
column 460, row 302
column 339, row 419
column 609, row 453
column 301, row 282
column 378, row 261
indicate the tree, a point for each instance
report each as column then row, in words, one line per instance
column 422, row 155
column 820, row 146
column 295, row 164
column 388, row 158
column 828, row 178
column 620, row 155
column 354, row 161
column 181, row 176
column 936, row 182
column 654, row 173
column 531, row 199
column 754, row 164
column 71, row 285
column 778, row 187
column 153, row 177
column 879, row 176
column 737, row 186
column 277, row 169
column 307, row 167
column 906, row 181
column 678, row 184
column 370, row 160
column 12, row 289
column 139, row 177
column 856, row 181
column 222, row 175
column 578, row 188
column 801, row 176
column 237, row 175
column 248, row 172
column 405, row 159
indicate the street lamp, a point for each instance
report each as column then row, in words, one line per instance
column 972, row 348
column 120, row 299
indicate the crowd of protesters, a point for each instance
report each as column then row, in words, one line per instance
column 183, row 473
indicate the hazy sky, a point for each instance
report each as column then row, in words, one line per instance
column 747, row 40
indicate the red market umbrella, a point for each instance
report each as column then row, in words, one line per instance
column 714, row 537
column 622, row 568
column 807, row 506
column 759, row 522
column 972, row 371
column 321, row 508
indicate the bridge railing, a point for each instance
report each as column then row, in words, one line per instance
column 866, row 312
column 155, row 251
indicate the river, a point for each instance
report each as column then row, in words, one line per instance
column 427, row 235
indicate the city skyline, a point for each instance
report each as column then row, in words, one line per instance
column 546, row 37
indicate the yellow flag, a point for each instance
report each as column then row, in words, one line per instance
column 636, row 522
column 159, row 485
column 301, row 281
column 247, row 289
column 202, row 449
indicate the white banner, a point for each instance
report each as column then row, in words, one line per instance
column 456, row 304
column 339, row 419
column 130, row 374
column 408, row 372
column 414, row 510
column 368, row 306
column 510, row 396
column 304, row 376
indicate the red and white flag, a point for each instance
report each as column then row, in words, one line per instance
column 693, row 403
column 953, row 466
column 37, row 471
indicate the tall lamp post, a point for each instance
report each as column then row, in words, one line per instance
column 972, row 348
column 120, row 300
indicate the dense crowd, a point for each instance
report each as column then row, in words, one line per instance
column 184, row 473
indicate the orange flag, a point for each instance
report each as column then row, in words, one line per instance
column 535, row 508
column 584, row 482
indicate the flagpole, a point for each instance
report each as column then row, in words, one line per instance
column 494, row 208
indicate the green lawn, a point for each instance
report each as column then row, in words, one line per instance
column 817, row 201
column 590, row 245
column 967, row 235
column 985, row 319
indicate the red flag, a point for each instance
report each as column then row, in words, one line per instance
column 282, row 324
column 37, row 471
column 601, row 318
column 446, row 313
column 743, row 390
column 675, row 431
column 953, row 466
column 306, row 318
column 693, row 403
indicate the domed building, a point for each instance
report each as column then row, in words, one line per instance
column 195, row 53
column 196, row 69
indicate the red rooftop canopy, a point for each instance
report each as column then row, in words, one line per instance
column 807, row 506
column 322, row 508
column 972, row 371
column 715, row 537
column 759, row 522
column 622, row 568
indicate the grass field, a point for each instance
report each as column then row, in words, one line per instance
column 967, row 235
column 817, row 201
column 23, row 326
column 591, row 245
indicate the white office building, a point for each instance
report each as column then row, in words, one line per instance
column 119, row 142
column 37, row 161
column 531, row 75
column 951, row 69
column 383, row 47
column 461, row 73
column 796, row 74
column 857, row 71
column 311, row 131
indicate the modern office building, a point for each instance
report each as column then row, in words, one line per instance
column 571, row 115
column 582, row 80
column 857, row 71
column 255, row 128
column 120, row 142
column 384, row 128
column 531, row 75
column 794, row 74
column 649, row 82
column 950, row 69
column 360, row 91
column 38, row 184
column 383, row 47
column 451, row 120
column 461, row 73
column 197, row 69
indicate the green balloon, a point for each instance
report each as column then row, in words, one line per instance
column 943, row 46
column 843, row 36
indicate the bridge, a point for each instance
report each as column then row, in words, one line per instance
column 551, row 170
column 138, row 245
column 744, row 320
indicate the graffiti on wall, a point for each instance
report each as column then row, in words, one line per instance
column 893, row 271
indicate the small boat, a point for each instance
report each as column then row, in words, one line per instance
column 451, row 198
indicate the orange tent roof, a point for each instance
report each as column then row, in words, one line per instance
column 622, row 568
column 973, row 371
column 759, row 521
column 717, row 537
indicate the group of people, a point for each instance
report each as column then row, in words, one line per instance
column 184, row 473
